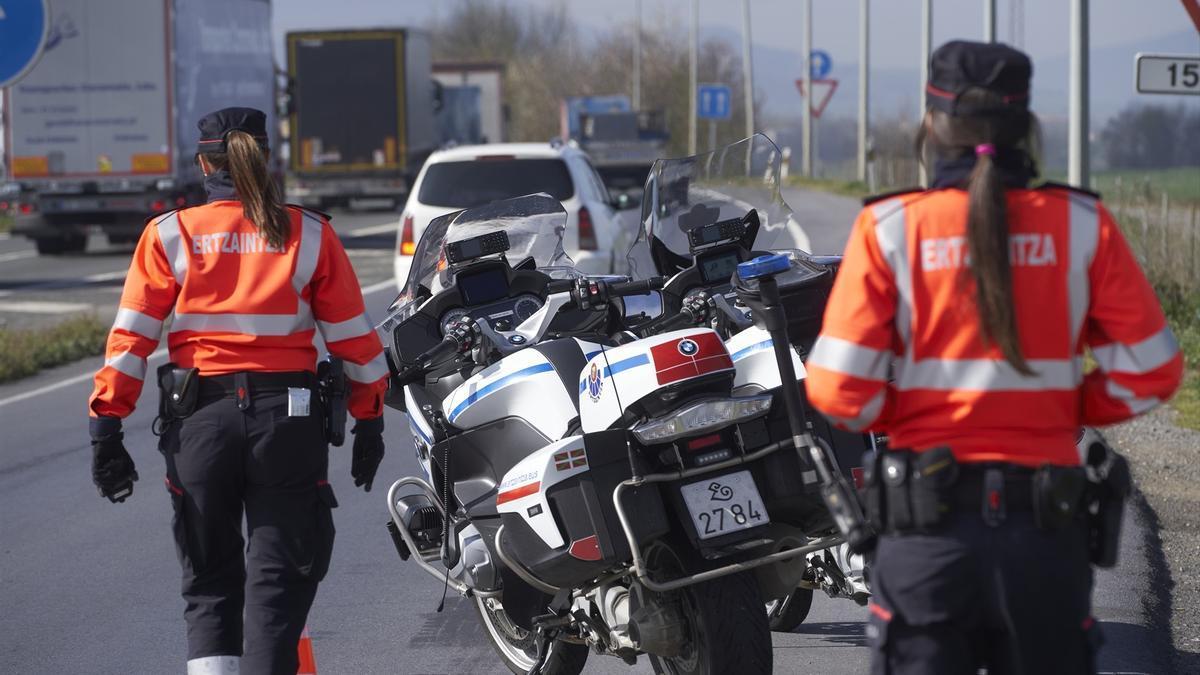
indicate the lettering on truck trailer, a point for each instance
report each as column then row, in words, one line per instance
column 1024, row 250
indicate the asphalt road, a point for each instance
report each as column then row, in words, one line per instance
column 91, row 587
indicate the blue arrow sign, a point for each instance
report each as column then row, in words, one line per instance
column 819, row 64
column 712, row 101
column 23, row 28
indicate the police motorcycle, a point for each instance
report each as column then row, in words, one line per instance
column 702, row 216
column 585, row 488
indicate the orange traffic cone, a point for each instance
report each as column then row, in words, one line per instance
column 308, row 662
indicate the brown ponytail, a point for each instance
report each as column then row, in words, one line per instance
column 987, row 212
column 247, row 165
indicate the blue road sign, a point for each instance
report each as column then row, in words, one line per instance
column 23, row 28
column 712, row 101
column 819, row 64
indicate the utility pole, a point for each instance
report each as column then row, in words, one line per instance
column 806, row 157
column 989, row 20
column 637, row 56
column 864, row 70
column 926, row 36
column 1077, row 128
column 747, row 68
column 692, row 76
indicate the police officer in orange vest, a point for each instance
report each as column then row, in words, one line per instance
column 958, row 325
column 242, row 422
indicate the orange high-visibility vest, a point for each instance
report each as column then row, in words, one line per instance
column 902, row 351
column 239, row 304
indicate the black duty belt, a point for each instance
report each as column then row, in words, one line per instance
column 971, row 491
column 243, row 385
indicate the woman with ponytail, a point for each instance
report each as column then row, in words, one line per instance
column 958, row 326
column 241, row 284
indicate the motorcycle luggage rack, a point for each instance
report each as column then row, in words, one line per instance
column 639, row 562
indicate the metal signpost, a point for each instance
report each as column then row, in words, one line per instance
column 23, row 30
column 1166, row 74
column 713, row 102
column 820, row 63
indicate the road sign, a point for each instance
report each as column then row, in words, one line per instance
column 712, row 101
column 24, row 25
column 823, row 90
column 819, row 64
column 1166, row 74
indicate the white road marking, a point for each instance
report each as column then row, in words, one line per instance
column 372, row 230
column 106, row 276
column 43, row 307
column 381, row 286
column 84, row 377
column 369, row 253
column 17, row 255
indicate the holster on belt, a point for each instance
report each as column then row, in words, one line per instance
column 1109, row 485
column 908, row 491
column 334, row 390
column 178, row 392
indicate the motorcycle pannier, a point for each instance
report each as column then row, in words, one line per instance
column 583, row 506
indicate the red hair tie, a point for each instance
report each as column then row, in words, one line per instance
column 985, row 149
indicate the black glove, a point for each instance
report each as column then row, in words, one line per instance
column 368, row 452
column 112, row 467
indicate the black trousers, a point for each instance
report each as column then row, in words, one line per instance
column 223, row 463
column 1013, row 598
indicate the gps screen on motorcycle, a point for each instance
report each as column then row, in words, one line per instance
column 482, row 287
column 718, row 267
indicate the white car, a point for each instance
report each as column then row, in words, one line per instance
column 473, row 175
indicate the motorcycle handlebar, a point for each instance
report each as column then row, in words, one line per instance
column 413, row 372
column 622, row 288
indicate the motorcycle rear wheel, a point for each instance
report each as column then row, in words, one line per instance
column 727, row 629
column 789, row 611
column 517, row 648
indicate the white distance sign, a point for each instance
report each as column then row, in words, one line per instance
column 1167, row 74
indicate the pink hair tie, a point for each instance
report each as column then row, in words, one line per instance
column 985, row 149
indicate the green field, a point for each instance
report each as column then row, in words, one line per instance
column 25, row 352
column 5, row 222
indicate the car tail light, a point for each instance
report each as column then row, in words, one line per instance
column 157, row 205
column 26, row 208
column 587, row 231
column 406, row 245
column 181, row 202
column 3, row 206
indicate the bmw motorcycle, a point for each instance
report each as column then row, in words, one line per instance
column 584, row 487
column 702, row 216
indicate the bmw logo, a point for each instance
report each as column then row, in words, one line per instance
column 687, row 347
column 516, row 339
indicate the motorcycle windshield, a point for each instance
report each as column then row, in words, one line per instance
column 690, row 192
column 534, row 224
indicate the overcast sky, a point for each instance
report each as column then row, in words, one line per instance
column 895, row 24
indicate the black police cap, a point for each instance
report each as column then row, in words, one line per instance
column 958, row 66
column 215, row 128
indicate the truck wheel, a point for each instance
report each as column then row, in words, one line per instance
column 67, row 243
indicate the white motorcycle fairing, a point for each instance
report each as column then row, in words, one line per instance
column 523, row 489
column 753, row 355
column 618, row 377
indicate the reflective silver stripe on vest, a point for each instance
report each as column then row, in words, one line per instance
column 263, row 325
column 1140, row 358
column 170, row 233
column 369, row 372
column 844, row 356
column 138, row 323
column 869, row 413
column 1136, row 405
column 987, row 375
column 1084, row 228
column 345, row 330
column 128, row 363
column 309, row 251
column 891, row 233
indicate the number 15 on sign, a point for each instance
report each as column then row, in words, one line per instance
column 1167, row 74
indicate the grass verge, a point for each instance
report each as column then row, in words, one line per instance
column 849, row 188
column 1183, row 312
column 25, row 352
column 5, row 222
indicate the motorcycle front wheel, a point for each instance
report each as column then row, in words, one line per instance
column 517, row 647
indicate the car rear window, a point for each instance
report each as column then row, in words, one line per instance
column 462, row 185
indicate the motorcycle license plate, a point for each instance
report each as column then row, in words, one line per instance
column 724, row 504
